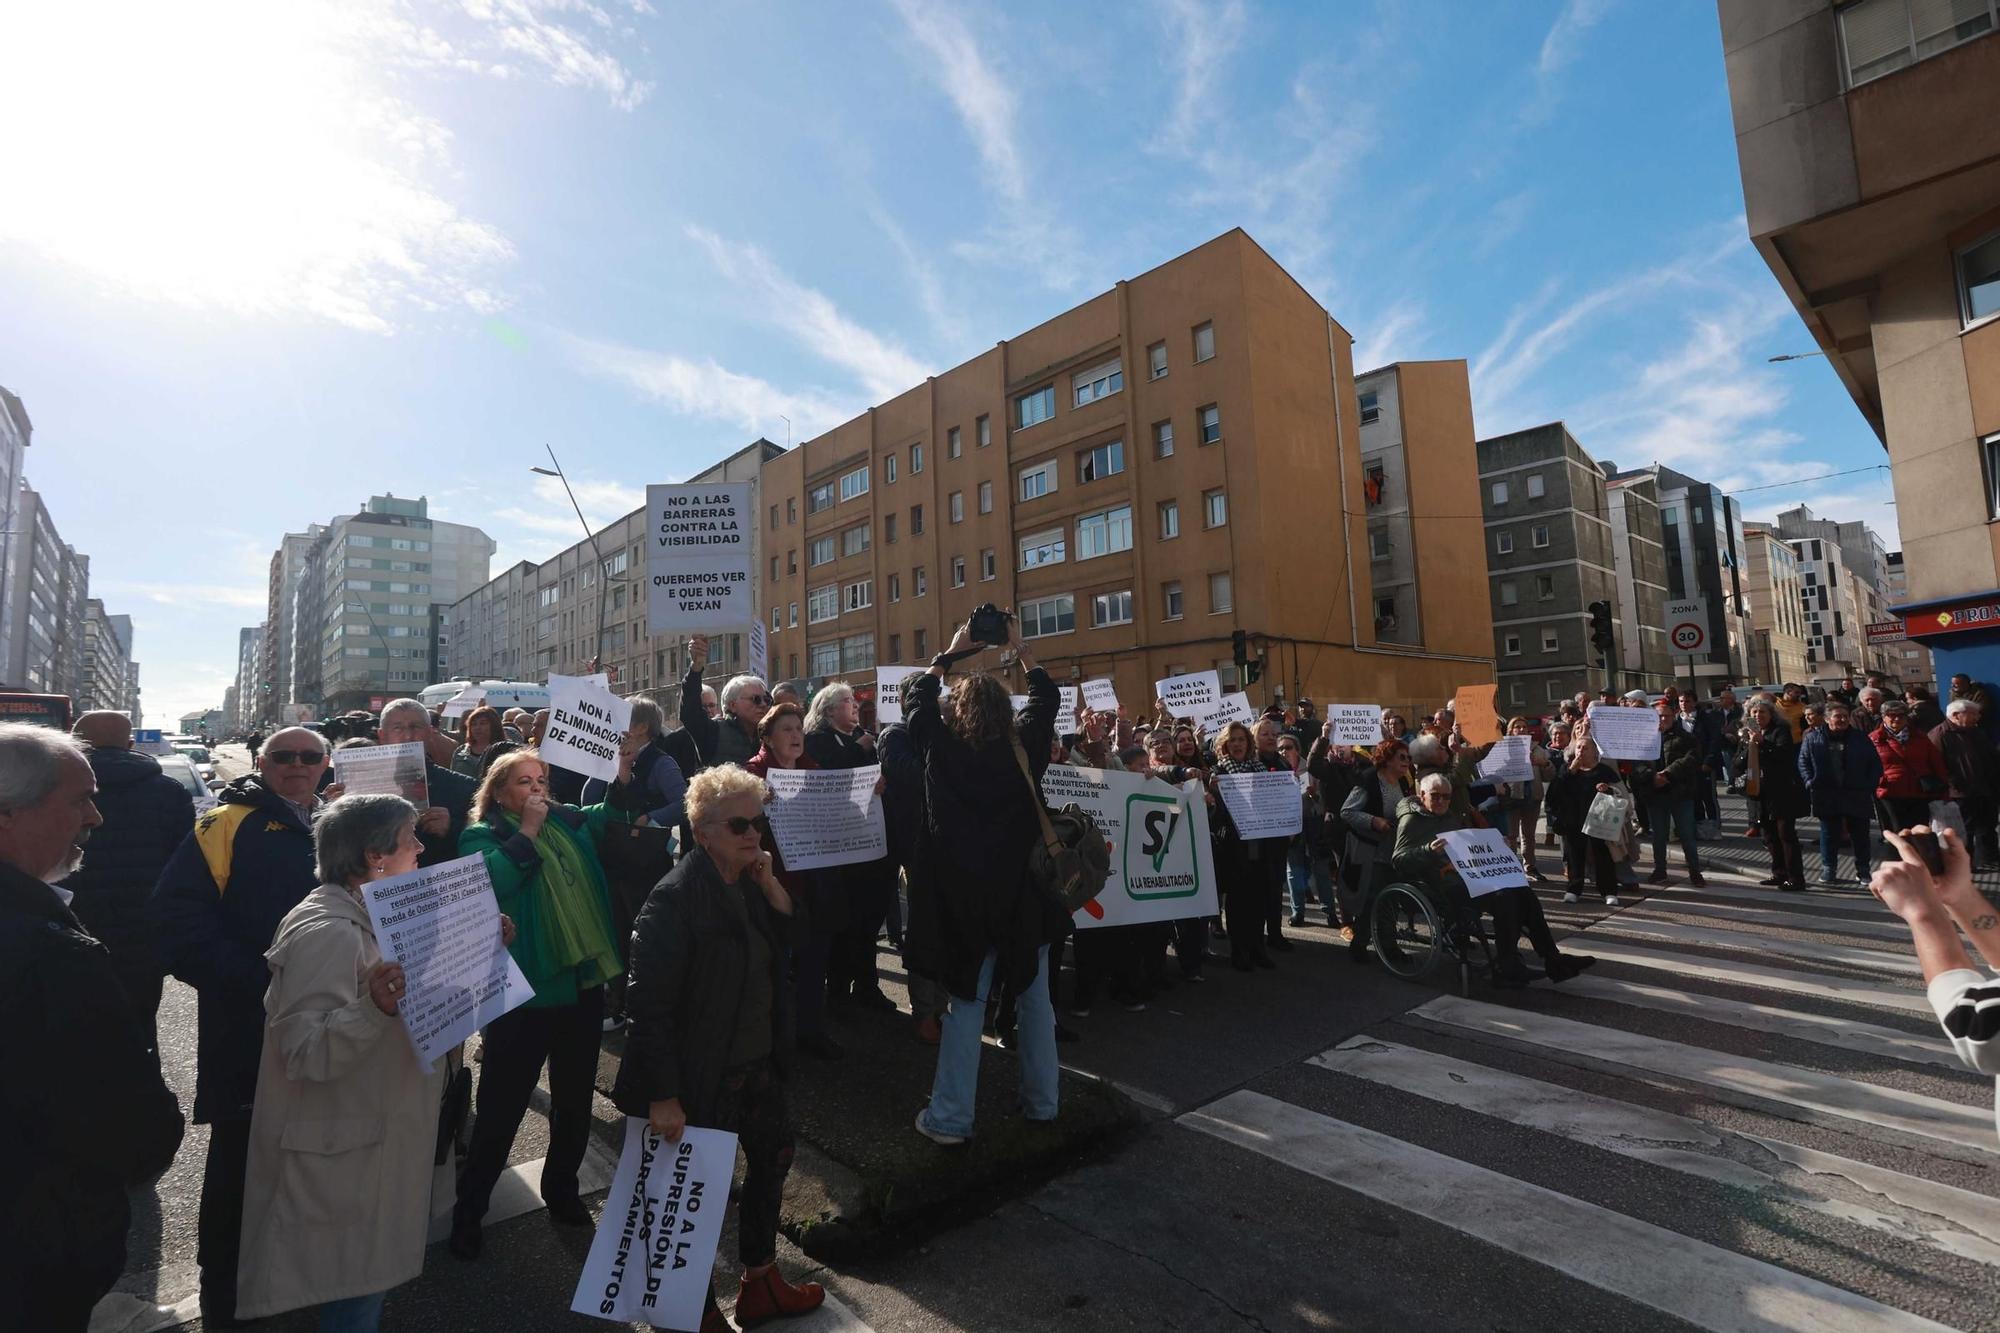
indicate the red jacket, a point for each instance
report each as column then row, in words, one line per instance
column 1906, row 762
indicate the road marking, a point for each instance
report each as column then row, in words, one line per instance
column 1820, row 1029
column 1678, row 1275
column 1861, row 900
column 1890, row 930
column 1795, row 982
column 1907, row 1207
column 1953, row 1129
column 1806, row 951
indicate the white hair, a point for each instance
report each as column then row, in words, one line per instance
column 1960, row 707
column 1433, row 781
column 403, row 706
column 737, row 685
column 31, row 762
column 829, row 698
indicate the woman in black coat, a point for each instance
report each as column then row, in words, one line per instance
column 857, row 897
column 1770, row 763
column 990, row 920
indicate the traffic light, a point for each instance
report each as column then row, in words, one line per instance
column 1239, row 648
column 1600, row 628
column 1250, row 673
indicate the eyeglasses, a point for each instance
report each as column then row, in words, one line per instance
column 306, row 757
column 738, row 825
column 764, row 699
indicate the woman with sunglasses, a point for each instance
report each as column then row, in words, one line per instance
column 784, row 736
column 542, row 857
column 711, row 1020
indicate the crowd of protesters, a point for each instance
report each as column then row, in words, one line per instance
column 659, row 902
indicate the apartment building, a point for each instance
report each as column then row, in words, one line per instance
column 107, row 656
column 249, row 677
column 1834, row 633
column 278, row 656
column 1777, row 608
column 1643, row 659
column 15, row 432
column 1864, row 558
column 1909, row 661
column 46, row 600
column 1868, row 146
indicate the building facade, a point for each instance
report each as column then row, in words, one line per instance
column 107, row 660
column 249, row 678
column 1870, row 158
column 1643, row 661
column 1834, row 635
column 1701, row 539
column 15, row 432
column 1864, row 563
column 1909, row 660
column 46, row 604
column 1777, row 609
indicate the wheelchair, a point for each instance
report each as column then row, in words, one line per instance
column 1414, row 935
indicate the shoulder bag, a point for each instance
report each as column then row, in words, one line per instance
column 1073, row 860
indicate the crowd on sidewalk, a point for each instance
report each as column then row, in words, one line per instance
column 659, row 903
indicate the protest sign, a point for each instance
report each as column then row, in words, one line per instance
column 1355, row 724
column 467, row 699
column 1234, row 707
column 1190, row 695
column 889, row 691
column 1483, row 860
column 654, row 1251
column 587, row 723
column 1162, row 865
column 1264, row 805
column 1066, row 697
column 1020, row 701
column 1472, row 708
column 698, row 571
column 1625, row 733
column 443, row 925
column 760, row 652
column 1508, row 761
column 384, row 770
column 827, row 816
column 1100, row 695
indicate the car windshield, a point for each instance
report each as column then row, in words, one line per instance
column 183, row 773
column 194, row 752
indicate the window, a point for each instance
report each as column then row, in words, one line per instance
column 985, row 497
column 791, row 511
column 854, row 484
column 1098, row 382
column 792, row 561
column 793, row 616
column 819, row 551
column 774, row 569
column 777, row 618
column 1503, row 543
column 820, row 497
column 1220, row 596
column 1214, row 509
column 1378, row 543
column 952, row 445
column 1111, row 608
column 958, row 571
column 1371, row 408
column 957, row 510
column 1037, row 481
column 889, row 528
column 1882, row 36
column 855, row 540
column 1509, row 594
column 774, row 516
column 889, row 469
column 1209, row 420
column 1550, row 643
column 1989, row 455
column 921, row 652
column 916, row 520
column 1204, row 342
column 1545, row 587
column 1106, row 460
column 916, row 459
column 1538, row 535
column 1048, row 615
column 547, row 596
column 1170, row 601
column 822, row 604
column 860, row 596
column 1499, row 492
column 1104, row 533
column 984, row 427
column 1044, row 548
column 1979, row 280
column 895, row 647
column 919, row 584
column 895, row 587
column 1032, row 409
column 1156, row 361
column 857, row 652
column 989, row 564
column 1535, row 488
column 1512, row 645
column 1163, row 439
column 1170, row 519
column 823, row 659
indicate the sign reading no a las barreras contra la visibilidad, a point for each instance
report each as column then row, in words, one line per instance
column 698, row 558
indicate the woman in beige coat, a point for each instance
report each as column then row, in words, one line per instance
column 337, row 1202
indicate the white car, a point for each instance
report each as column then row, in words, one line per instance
column 203, row 763
column 182, row 770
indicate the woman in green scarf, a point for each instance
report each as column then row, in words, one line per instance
column 542, row 856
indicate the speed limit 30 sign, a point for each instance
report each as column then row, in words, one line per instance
column 1687, row 626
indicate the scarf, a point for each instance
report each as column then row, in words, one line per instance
column 579, row 923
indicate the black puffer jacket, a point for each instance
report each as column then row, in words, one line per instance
column 1571, row 794
column 146, row 816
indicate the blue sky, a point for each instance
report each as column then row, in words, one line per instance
column 259, row 261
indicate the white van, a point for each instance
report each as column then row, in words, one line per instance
column 499, row 693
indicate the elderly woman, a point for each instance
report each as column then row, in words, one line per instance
column 1369, row 812
column 834, row 740
column 817, row 893
column 1520, row 801
column 1770, row 765
column 483, row 730
column 731, row 737
column 337, row 1200
column 711, row 1036
column 1571, row 794
column 543, row 860
column 1248, row 870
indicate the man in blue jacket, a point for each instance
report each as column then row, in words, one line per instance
column 1841, row 770
column 247, row 863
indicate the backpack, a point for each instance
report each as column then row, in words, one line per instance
column 1072, row 862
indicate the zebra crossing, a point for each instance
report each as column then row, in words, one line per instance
column 1743, row 1117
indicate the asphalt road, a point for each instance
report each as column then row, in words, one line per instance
column 1743, row 1117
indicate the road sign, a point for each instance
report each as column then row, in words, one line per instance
column 1687, row 626
column 1886, row 631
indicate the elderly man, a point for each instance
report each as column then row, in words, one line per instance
column 1866, row 715
column 247, row 863
column 84, row 1114
column 1667, row 789
column 731, row 737
column 1973, row 763
column 405, row 721
column 514, row 724
column 146, row 816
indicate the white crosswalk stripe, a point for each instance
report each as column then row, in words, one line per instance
column 1775, row 1053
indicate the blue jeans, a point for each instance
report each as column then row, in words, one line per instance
column 1680, row 812
column 1832, row 828
column 356, row 1314
column 1303, row 874
column 955, row 1089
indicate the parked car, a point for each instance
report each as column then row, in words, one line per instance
column 182, row 770
column 204, row 764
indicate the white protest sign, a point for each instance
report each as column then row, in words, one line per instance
column 467, row 699
column 1190, row 695
column 760, row 652
column 1020, row 701
column 698, row 571
column 384, row 770
column 1264, row 805
column 443, row 925
column 1625, row 733
column 1355, row 724
column 1483, row 860
column 1066, row 707
column 1100, row 695
column 1510, row 760
column 1234, row 707
column 1162, row 865
column 827, row 816
column 654, row 1251
column 889, row 691
column 587, row 723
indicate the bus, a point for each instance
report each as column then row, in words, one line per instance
column 42, row 710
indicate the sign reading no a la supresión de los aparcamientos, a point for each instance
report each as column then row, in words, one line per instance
column 698, row 568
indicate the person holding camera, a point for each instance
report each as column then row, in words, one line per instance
column 981, row 823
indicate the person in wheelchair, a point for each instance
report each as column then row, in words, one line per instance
column 1420, row 859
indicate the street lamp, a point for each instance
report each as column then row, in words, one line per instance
column 1794, row 356
column 597, row 655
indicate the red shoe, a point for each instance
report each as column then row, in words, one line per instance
column 768, row 1296
column 929, row 1032
column 712, row 1320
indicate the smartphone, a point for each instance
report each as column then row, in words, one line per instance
column 1926, row 846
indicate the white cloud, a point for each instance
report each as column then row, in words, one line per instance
column 1395, row 336
column 1560, row 48
column 526, row 29
column 1205, row 35
column 884, row 369
column 252, row 597
column 702, row 388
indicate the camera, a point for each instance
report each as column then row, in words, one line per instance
column 989, row 625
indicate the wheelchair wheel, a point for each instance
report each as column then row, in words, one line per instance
column 1408, row 936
